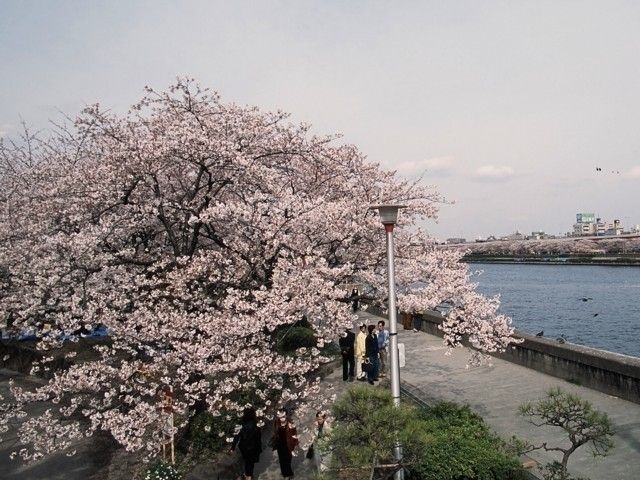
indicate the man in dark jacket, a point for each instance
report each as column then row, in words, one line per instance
column 347, row 340
column 371, row 352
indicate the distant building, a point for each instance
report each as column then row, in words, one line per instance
column 585, row 217
column 539, row 235
column 585, row 224
column 455, row 240
column 588, row 225
column 584, row 229
column 614, row 228
column 514, row 236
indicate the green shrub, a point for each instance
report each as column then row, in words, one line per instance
column 162, row 471
column 462, row 447
column 365, row 427
column 461, row 454
column 446, row 442
column 208, row 433
column 292, row 338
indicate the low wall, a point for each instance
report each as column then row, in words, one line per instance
column 611, row 373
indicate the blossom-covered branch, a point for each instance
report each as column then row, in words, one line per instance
column 192, row 230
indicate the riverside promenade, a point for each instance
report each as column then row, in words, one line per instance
column 496, row 391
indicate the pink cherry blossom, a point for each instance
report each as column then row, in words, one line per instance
column 192, row 229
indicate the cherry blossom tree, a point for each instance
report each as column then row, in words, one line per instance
column 560, row 246
column 193, row 229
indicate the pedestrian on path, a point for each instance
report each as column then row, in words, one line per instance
column 249, row 441
column 285, row 440
column 346, row 342
column 355, row 299
column 383, row 343
column 360, row 351
column 371, row 352
column 322, row 457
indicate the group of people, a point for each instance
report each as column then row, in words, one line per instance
column 284, row 440
column 249, row 441
column 364, row 356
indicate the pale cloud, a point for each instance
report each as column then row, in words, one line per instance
column 437, row 166
column 494, row 172
column 634, row 172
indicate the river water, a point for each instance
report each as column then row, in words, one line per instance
column 551, row 298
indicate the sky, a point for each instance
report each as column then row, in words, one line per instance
column 507, row 108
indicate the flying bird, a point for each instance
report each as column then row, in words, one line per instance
column 585, row 299
column 616, row 172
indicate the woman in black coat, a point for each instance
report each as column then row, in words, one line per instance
column 249, row 441
column 371, row 352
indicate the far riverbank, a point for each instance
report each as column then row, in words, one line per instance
column 605, row 260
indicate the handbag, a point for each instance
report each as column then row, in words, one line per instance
column 310, row 452
column 367, row 366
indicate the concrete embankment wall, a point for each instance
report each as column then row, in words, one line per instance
column 611, row 373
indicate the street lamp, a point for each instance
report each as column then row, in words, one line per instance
column 389, row 217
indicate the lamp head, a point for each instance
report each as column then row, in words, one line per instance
column 388, row 213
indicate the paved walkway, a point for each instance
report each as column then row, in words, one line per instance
column 269, row 469
column 495, row 392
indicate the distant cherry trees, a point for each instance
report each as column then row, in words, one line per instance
column 192, row 229
column 561, row 246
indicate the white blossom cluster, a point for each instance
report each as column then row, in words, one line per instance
column 193, row 229
column 166, row 472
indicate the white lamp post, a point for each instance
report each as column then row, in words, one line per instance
column 389, row 217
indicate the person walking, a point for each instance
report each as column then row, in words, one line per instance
column 249, row 441
column 371, row 352
column 383, row 343
column 355, row 299
column 360, row 352
column 321, row 456
column 346, row 342
column 285, row 440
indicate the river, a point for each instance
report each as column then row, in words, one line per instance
column 596, row 306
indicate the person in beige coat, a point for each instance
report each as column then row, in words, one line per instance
column 360, row 351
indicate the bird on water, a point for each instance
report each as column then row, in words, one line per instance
column 540, row 333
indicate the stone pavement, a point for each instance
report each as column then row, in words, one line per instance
column 93, row 455
column 269, row 469
column 496, row 391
